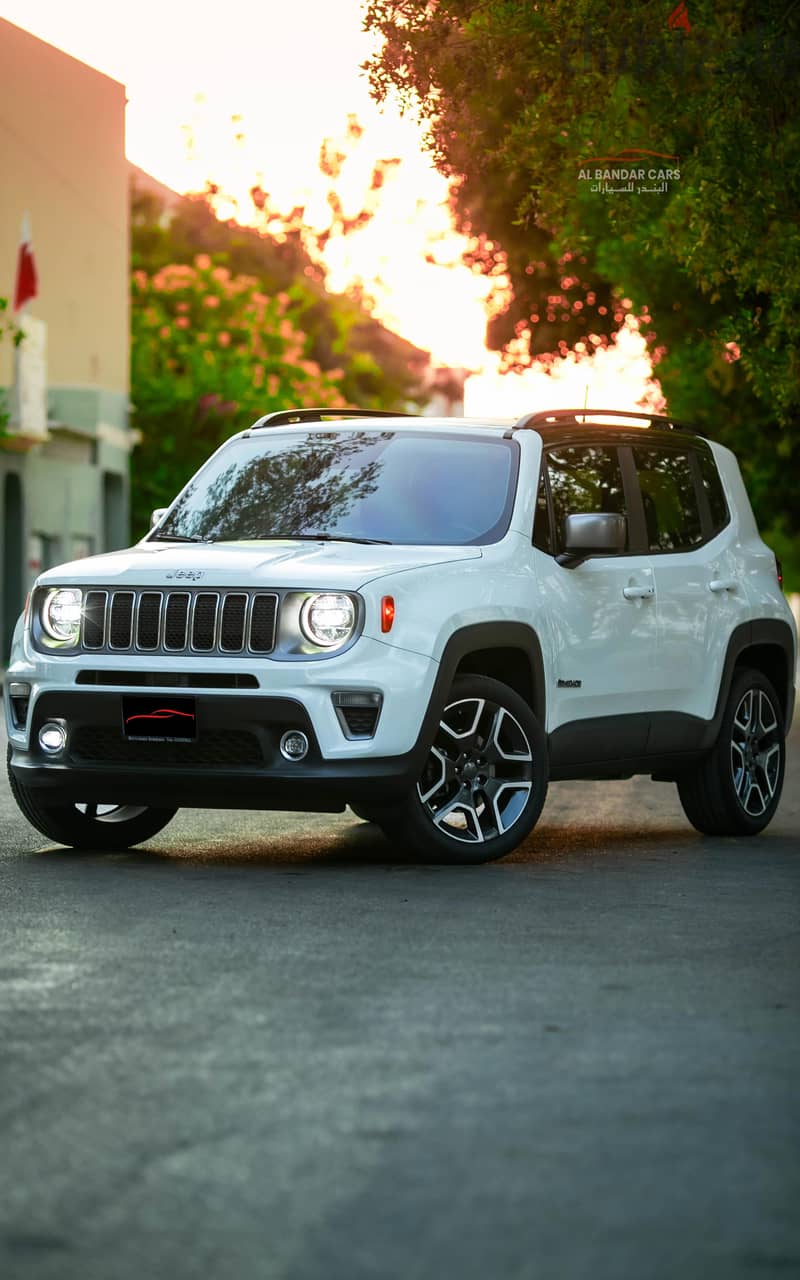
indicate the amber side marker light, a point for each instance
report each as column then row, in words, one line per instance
column 387, row 613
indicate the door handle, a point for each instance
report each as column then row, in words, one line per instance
column 638, row 593
column 722, row 584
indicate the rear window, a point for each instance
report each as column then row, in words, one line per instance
column 387, row 486
column 671, row 508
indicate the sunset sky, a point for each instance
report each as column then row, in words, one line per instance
column 290, row 73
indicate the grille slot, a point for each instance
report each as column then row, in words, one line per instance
column 225, row 748
column 231, row 632
column 204, row 621
column 94, row 619
column 119, row 631
column 148, row 619
column 176, row 618
column 262, row 623
column 169, row 679
column 361, row 721
column 185, row 621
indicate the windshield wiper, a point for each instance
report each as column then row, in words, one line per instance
column 331, row 537
column 177, row 537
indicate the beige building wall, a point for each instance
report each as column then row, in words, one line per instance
column 62, row 159
column 63, row 463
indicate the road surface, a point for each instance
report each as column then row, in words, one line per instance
column 266, row 1046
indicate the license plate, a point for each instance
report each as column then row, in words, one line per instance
column 160, row 718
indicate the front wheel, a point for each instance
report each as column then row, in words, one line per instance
column 736, row 789
column 108, row 827
column 484, row 782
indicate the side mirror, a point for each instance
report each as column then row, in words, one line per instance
column 596, row 533
column 157, row 516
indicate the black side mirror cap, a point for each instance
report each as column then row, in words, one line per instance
column 593, row 533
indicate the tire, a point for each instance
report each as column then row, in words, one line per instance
column 109, row 828
column 484, row 782
column 735, row 790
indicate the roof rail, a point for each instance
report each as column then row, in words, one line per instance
column 285, row 417
column 551, row 417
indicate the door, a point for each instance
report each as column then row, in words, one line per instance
column 699, row 595
column 602, row 613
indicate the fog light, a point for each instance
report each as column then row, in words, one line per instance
column 294, row 745
column 52, row 737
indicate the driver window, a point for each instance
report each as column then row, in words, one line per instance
column 584, row 478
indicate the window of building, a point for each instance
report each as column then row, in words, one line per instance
column 82, row 546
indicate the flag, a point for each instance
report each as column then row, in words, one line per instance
column 27, row 285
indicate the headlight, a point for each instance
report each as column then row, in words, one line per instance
column 61, row 615
column 328, row 620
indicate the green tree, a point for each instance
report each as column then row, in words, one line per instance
column 519, row 96
column 210, row 353
column 229, row 322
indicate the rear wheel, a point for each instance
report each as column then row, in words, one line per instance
column 108, row 827
column 484, row 782
column 736, row 789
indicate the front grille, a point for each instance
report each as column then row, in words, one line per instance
column 186, row 621
column 223, row 748
column 176, row 618
column 119, row 631
column 231, row 632
column 148, row 620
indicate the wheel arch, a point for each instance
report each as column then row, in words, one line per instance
column 766, row 645
column 506, row 651
column 509, row 652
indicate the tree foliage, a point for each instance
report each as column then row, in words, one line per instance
column 229, row 322
column 520, row 95
column 210, row 353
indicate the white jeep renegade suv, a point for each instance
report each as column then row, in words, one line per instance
column 426, row 619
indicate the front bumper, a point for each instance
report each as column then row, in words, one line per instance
column 235, row 761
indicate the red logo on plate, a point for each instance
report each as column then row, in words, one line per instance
column 163, row 713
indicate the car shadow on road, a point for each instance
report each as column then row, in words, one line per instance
column 364, row 845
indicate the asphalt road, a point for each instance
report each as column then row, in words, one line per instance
column 263, row 1046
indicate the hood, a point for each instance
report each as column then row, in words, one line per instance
column 327, row 565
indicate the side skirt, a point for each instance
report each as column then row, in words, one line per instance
column 663, row 743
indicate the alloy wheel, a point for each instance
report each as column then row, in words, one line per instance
column 110, row 812
column 479, row 774
column 755, row 752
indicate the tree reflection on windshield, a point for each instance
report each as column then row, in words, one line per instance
column 308, row 487
column 410, row 488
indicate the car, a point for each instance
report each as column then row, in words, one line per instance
column 426, row 619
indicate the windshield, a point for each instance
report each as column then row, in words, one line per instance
column 383, row 486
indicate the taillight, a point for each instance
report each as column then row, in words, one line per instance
column 387, row 613
column 779, row 571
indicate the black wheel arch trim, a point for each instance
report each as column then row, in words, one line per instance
column 478, row 636
column 770, row 632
